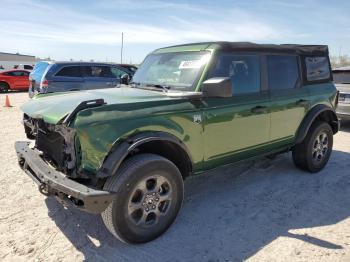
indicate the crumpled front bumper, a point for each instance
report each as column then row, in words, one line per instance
column 52, row 182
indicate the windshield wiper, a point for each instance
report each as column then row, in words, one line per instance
column 164, row 87
column 143, row 85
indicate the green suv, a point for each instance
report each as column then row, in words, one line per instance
column 125, row 152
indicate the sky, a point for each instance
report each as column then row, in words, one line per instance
column 86, row 29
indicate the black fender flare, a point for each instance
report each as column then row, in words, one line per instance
column 121, row 150
column 310, row 118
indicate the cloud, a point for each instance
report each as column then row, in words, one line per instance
column 45, row 23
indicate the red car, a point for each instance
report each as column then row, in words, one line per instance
column 14, row 80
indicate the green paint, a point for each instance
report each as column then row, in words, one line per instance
column 229, row 131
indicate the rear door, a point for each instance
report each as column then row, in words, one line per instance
column 99, row 76
column 289, row 100
column 236, row 127
column 66, row 78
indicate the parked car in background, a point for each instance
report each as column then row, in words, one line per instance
column 125, row 152
column 11, row 65
column 14, row 80
column 341, row 77
column 25, row 67
column 52, row 77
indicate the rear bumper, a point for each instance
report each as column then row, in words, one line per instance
column 52, row 182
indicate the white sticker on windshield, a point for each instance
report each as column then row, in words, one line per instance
column 190, row 64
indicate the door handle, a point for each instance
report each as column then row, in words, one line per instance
column 259, row 110
column 302, row 102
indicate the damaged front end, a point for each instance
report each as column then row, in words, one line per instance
column 53, row 161
column 56, row 142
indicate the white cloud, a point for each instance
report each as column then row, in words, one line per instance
column 40, row 22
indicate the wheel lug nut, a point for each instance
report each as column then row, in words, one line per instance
column 157, row 199
column 153, row 194
column 154, row 207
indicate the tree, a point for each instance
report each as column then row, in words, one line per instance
column 340, row 61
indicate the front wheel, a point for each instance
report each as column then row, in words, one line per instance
column 314, row 152
column 149, row 193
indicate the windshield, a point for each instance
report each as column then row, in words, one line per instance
column 175, row 71
column 341, row 77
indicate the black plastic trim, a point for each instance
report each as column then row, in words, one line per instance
column 56, row 183
column 116, row 157
column 309, row 119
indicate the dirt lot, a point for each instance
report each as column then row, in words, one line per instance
column 264, row 210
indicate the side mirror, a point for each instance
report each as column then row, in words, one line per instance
column 217, row 87
column 125, row 79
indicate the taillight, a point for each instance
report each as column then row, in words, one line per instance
column 44, row 84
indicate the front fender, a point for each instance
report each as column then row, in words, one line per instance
column 122, row 150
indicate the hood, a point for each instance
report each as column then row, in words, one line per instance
column 52, row 108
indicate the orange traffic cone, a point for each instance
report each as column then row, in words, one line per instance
column 7, row 102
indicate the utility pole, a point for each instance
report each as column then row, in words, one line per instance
column 121, row 49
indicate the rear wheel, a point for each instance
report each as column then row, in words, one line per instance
column 149, row 193
column 314, row 152
column 4, row 87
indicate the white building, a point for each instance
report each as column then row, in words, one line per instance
column 16, row 61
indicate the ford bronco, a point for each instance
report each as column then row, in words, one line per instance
column 125, row 152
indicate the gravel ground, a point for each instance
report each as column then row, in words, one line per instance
column 263, row 210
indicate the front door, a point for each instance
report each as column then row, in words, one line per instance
column 96, row 77
column 236, row 127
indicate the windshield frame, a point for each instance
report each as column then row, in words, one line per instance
column 172, row 87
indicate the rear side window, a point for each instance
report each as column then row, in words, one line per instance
column 283, row 72
column 317, row 68
column 244, row 71
column 70, row 71
column 98, row 71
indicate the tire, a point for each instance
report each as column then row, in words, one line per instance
column 4, row 87
column 149, row 194
column 313, row 153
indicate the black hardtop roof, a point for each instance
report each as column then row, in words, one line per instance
column 276, row 48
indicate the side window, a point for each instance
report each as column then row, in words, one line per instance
column 70, row 71
column 28, row 67
column 283, row 72
column 117, row 73
column 98, row 71
column 317, row 68
column 15, row 73
column 244, row 71
column 24, row 73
